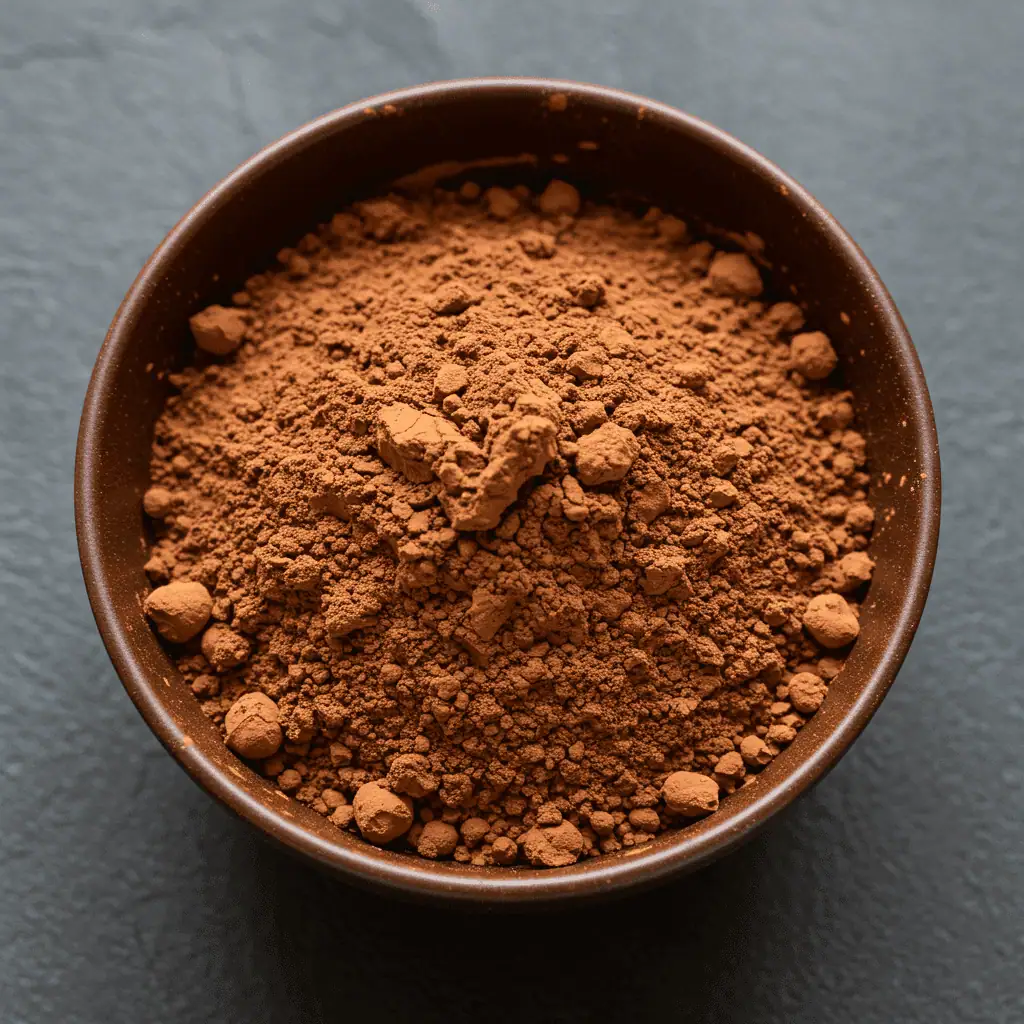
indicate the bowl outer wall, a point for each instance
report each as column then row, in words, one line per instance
column 644, row 150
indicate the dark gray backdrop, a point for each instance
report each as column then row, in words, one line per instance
column 892, row 893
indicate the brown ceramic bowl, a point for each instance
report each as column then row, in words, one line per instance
column 631, row 147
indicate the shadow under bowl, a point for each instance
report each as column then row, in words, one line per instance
column 612, row 145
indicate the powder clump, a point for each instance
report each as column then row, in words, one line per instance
column 380, row 815
column 555, row 846
column 734, row 273
column 179, row 609
column 831, row 621
column 223, row 648
column 437, row 839
column 606, row 454
column 690, row 794
column 813, row 355
column 806, row 692
column 252, row 726
column 218, row 330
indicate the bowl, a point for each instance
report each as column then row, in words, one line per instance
column 611, row 144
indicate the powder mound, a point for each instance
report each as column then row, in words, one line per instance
column 506, row 527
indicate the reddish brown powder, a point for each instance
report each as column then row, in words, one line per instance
column 524, row 525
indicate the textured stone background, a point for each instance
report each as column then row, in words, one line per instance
column 894, row 892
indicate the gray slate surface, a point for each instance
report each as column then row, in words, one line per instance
column 894, row 892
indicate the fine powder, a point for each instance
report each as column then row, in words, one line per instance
column 508, row 528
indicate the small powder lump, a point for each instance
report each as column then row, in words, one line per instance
column 252, row 727
column 380, row 814
column 508, row 528
column 179, row 610
column 813, row 355
column 831, row 621
column 690, row 794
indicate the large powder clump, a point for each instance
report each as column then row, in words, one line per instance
column 514, row 531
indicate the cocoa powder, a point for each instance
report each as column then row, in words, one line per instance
column 519, row 528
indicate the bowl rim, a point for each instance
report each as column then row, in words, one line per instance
column 488, row 886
